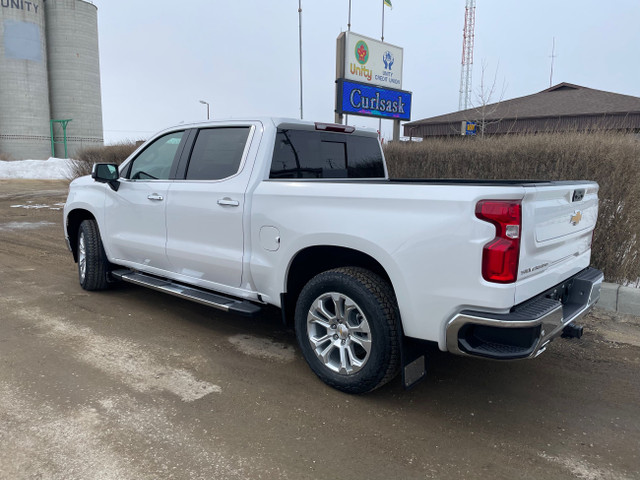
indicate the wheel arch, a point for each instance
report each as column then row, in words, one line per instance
column 74, row 219
column 312, row 260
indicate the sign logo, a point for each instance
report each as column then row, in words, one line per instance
column 576, row 217
column 388, row 60
column 362, row 52
column 363, row 59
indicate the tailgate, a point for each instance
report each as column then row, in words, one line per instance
column 557, row 224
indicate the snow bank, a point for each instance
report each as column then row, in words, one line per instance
column 52, row 169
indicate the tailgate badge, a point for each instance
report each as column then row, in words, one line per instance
column 576, row 217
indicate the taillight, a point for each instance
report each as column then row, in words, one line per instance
column 500, row 256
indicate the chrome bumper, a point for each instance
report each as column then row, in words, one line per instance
column 529, row 327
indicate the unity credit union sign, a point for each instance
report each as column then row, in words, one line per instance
column 369, row 61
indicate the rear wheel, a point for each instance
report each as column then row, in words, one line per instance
column 347, row 328
column 93, row 266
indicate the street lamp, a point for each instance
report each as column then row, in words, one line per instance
column 207, row 104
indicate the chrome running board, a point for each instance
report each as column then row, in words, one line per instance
column 215, row 300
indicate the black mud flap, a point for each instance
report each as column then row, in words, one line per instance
column 413, row 357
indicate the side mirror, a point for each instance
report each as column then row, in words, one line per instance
column 106, row 173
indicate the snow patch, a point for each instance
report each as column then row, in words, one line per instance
column 39, row 206
column 13, row 226
column 52, row 169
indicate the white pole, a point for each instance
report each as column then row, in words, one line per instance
column 300, row 48
column 346, row 115
column 382, row 36
column 382, row 39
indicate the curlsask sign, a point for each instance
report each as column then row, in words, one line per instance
column 369, row 61
column 372, row 101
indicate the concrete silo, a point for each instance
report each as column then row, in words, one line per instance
column 74, row 72
column 24, row 90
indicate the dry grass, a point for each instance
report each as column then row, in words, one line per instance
column 5, row 157
column 610, row 159
column 117, row 154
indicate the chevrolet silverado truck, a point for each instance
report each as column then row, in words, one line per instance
column 303, row 216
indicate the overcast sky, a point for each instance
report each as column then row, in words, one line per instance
column 158, row 59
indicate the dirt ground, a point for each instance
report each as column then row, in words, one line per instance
column 133, row 384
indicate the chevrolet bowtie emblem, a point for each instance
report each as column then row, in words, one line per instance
column 576, row 217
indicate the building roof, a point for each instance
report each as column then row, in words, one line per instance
column 561, row 105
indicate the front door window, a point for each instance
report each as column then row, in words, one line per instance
column 155, row 162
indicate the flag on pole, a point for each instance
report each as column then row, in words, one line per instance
column 388, row 3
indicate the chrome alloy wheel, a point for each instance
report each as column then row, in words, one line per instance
column 339, row 333
column 82, row 257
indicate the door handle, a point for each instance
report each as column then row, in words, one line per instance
column 156, row 197
column 227, row 202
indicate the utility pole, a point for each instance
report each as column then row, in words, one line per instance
column 553, row 57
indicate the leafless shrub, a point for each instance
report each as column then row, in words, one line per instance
column 87, row 157
column 5, row 157
column 613, row 160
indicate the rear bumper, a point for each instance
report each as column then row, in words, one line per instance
column 529, row 327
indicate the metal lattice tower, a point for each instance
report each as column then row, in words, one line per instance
column 467, row 54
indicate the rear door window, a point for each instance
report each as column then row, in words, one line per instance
column 217, row 153
column 313, row 154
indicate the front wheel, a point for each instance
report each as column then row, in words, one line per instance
column 347, row 328
column 93, row 266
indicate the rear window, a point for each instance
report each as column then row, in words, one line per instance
column 313, row 154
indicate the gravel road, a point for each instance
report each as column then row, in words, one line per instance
column 133, row 384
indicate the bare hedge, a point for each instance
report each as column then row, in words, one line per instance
column 86, row 157
column 613, row 160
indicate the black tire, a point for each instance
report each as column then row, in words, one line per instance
column 371, row 306
column 93, row 266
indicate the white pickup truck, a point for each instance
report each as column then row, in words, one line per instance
column 300, row 215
